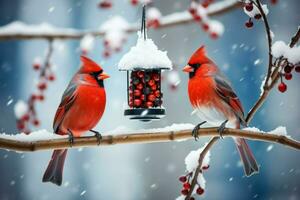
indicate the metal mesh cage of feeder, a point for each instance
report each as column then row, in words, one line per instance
column 144, row 94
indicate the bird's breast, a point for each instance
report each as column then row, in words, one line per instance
column 87, row 109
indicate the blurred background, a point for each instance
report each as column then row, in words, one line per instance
column 148, row 171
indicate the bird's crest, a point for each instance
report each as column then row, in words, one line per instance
column 89, row 65
column 199, row 56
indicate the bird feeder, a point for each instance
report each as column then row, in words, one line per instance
column 144, row 64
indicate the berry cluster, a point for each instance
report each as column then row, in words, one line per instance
column 288, row 69
column 144, row 89
column 186, row 184
column 249, row 7
column 198, row 12
column 30, row 117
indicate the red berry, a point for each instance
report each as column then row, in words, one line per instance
column 182, row 179
column 157, row 93
column 130, row 104
column 42, row 86
column 142, row 97
column 184, row 192
column 137, row 93
column 106, row 43
column 156, row 77
column 205, row 4
column 41, row 97
column 106, row 54
column 153, row 87
column 205, row 167
column 151, row 82
column 288, row 76
column 51, row 77
column 199, row 191
column 192, row 11
column 137, row 102
column 151, row 97
column 205, row 27
column 134, row 2
column 273, row 1
column 282, row 87
column 288, row 69
column 105, row 4
column 26, row 117
column 149, row 104
column 249, row 24
column 34, row 97
column 20, row 125
column 36, row 66
column 139, row 86
column 186, row 186
column 140, row 74
column 36, row 122
column 257, row 16
column 214, row 35
column 153, row 23
column 249, row 7
column 197, row 17
column 297, row 68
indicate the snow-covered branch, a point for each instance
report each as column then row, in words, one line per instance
column 43, row 140
column 18, row 30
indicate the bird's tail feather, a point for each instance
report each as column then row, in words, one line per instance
column 55, row 167
column 247, row 157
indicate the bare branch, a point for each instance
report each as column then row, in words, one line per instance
column 166, row 21
column 144, row 137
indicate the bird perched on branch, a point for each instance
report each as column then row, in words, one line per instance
column 215, row 102
column 82, row 106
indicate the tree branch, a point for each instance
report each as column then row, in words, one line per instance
column 144, row 137
column 166, row 21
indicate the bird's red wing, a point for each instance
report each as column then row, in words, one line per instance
column 225, row 91
column 67, row 100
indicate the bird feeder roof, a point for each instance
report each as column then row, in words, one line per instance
column 145, row 55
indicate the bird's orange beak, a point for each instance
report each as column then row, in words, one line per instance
column 103, row 76
column 188, row 69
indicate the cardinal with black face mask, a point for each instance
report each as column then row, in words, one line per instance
column 215, row 102
column 82, row 106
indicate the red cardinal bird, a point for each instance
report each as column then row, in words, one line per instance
column 214, row 101
column 82, row 106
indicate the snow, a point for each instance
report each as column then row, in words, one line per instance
column 279, row 48
column 181, row 197
column 173, row 78
column 216, row 27
column 201, row 181
column 87, row 43
column 255, row 10
column 33, row 136
column 280, row 130
column 115, row 31
column 153, row 13
column 173, row 127
column 21, row 28
column 191, row 160
column 146, row 55
column 20, row 109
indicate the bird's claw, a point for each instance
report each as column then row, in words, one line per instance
column 221, row 128
column 196, row 129
column 98, row 136
column 71, row 137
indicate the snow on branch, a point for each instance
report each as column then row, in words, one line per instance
column 19, row 30
column 43, row 140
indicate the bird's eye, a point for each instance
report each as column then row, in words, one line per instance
column 196, row 65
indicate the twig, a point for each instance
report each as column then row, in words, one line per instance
column 275, row 77
column 166, row 21
column 151, row 137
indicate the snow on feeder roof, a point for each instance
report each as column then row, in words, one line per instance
column 145, row 55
